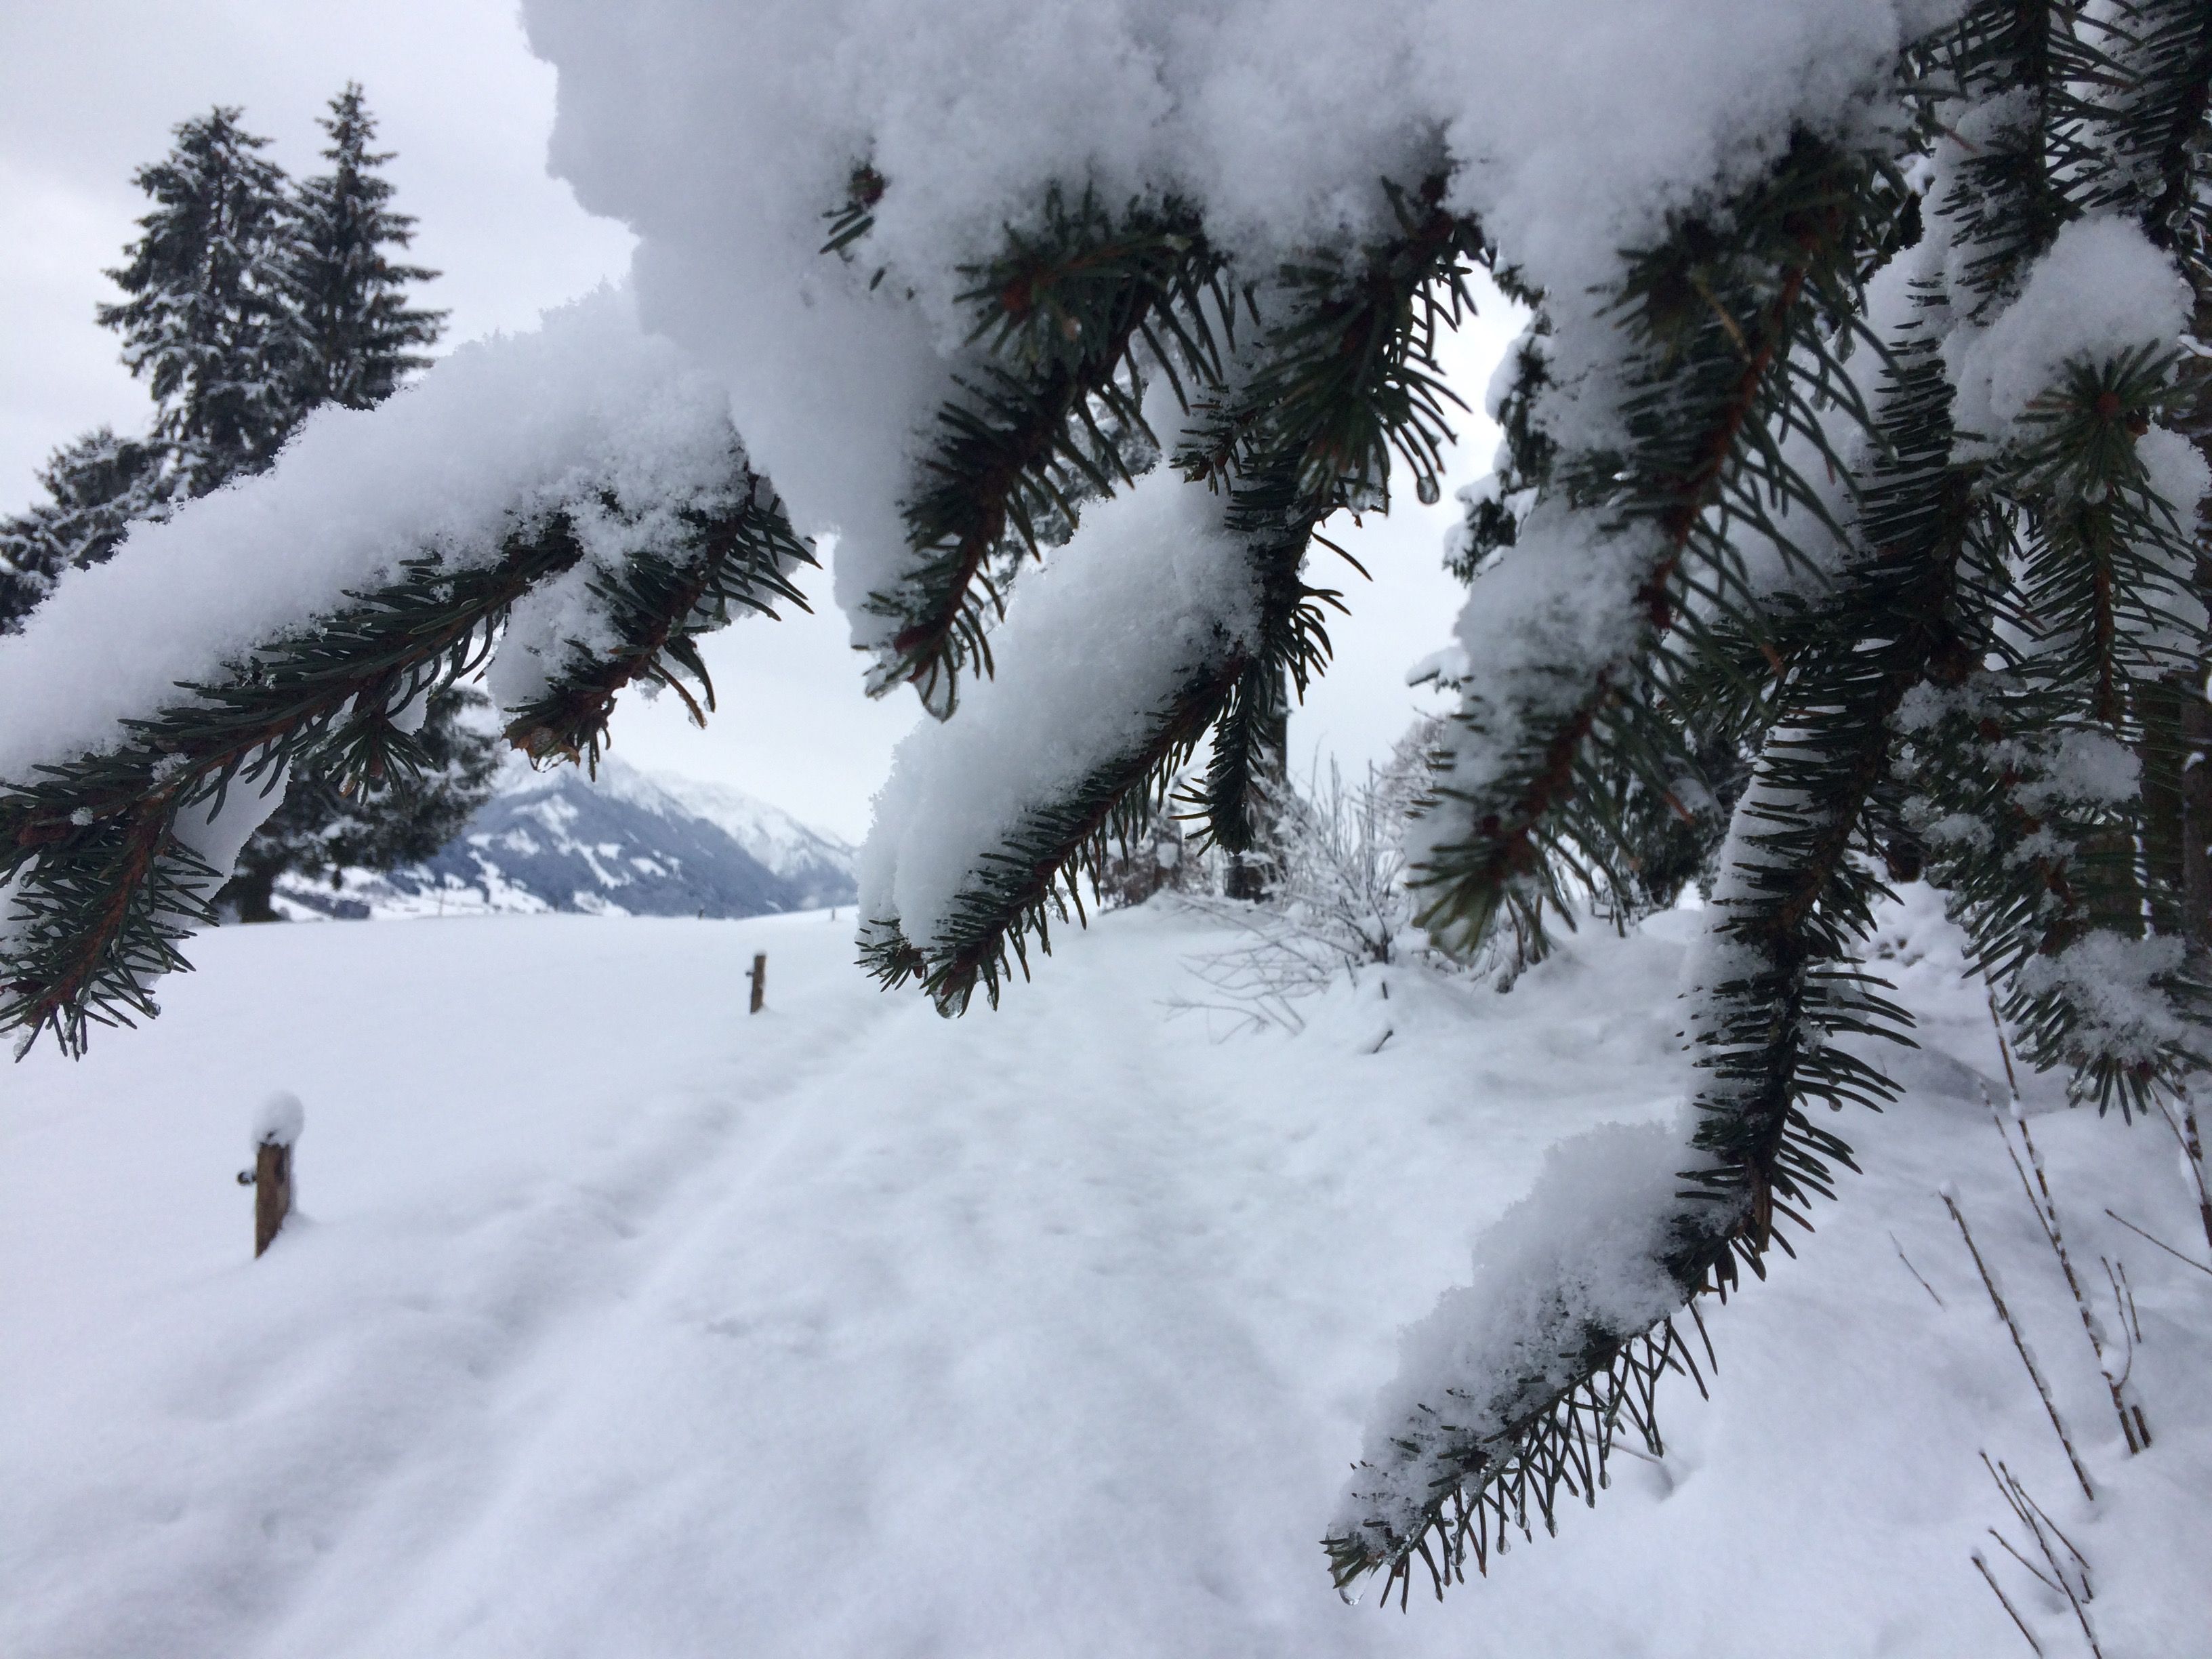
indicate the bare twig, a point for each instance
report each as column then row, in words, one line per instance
column 2045, row 1206
column 2069, row 1577
column 2181, row 1118
column 2124, row 1294
column 1990, row 1578
column 2161, row 1244
column 1914, row 1271
column 2020, row 1342
column 2041, row 1576
column 2123, row 1303
column 2004, row 1048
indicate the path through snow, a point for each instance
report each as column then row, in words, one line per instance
column 626, row 1325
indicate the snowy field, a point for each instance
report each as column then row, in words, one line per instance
column 619, row 1323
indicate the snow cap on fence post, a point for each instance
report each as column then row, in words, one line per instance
column 279, row 1121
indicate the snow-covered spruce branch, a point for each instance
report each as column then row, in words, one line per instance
column 2024, row 781
column 1069, row 318
column 1635, row 529
column 2062, row 380
column 2149, row 118
column 1271, row 518
column 1072, row 319
column 1513, row 1390
column 654, row 606
column 1114, row 660
column 612, row 521
column 107, row 874
column 1346, row 375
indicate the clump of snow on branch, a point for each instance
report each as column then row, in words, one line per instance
column 1579, row 1254
column 723, row 135
column 2100, row 291
column 1095, row 645
column 493, row 438
column 2088, row 767
column 2112, row 982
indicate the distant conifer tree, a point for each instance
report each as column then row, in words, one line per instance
column 359, row 335
column 250, row 304
column 94, row 487
column 208, row 321
column 355, row 339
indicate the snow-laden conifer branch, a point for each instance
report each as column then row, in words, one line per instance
column 1113, row 661
column 2009, row 73
column 1345, row 372
column 1513, row 1390
column 1342, row 375
column 1069, row 319
column 2026, row 818
column 1269, row 517
column 2152, row 119
column 105, row 875
column 655, row 606
column 1631, row 529
column 2043, row 538
column 573, row 506
column 2024, row 781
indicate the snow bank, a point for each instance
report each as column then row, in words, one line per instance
column 722, row 136
column 850, row 1331
column 1151, row 592
column 494, row 436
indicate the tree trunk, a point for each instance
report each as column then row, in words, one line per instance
column 2192, row 779
column 2164, row 709
column 1252, row 874
column 252, row 891
column 2197, row 820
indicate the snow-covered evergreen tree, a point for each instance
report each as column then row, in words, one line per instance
column 1845, row 438
column 360, row 335
column 208, row 322
column 95, row 488
column 251, row 306
column 354, row 338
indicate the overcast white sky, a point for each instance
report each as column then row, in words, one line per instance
column 89, row 90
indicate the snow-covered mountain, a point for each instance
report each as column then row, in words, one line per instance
column 626, row 842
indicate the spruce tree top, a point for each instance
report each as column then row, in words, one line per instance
column 359, row 336
column 207, row 321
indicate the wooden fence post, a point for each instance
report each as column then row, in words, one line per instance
column 272, row 1191
column 276, row 1130
column 759, row 977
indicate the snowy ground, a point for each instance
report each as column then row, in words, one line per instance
column 627, row 1325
